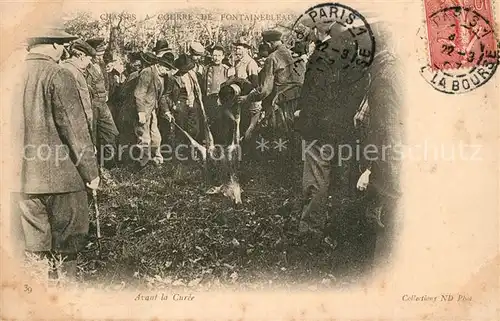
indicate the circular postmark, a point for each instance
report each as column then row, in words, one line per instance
column 462, row 50
column 340, row 33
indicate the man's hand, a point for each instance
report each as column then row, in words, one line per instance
column 357, row 120
column 169, row 116
column 109, row 67
column 142, row 118
column 242, row 99
column 363, row 180
column 94, row 184
column 246, row 136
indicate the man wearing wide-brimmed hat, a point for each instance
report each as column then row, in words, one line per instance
column 104, row 128
column 148, row 99
column 126, row 118
column 184, row 96
column 57, row 159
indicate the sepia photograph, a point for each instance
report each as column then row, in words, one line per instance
column 166, row 151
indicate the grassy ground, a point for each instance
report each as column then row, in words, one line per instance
column 160, row 229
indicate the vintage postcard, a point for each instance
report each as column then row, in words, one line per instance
column 250, row 160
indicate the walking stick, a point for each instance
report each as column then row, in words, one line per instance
column 97, row 222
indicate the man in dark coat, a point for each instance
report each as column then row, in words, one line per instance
column 330, row 97
column 216, row 73
column 278, row 87
column 104, row 128
column 127, row 118
column 58, row 159
column 183, row 96
column 381, row 120
column 80, row 58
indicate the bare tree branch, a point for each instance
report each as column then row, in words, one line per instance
column 121, row 19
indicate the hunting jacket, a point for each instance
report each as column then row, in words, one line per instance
column 149, row 90
column 58, row 152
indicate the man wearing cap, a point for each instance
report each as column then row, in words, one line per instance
column 216, row 74
column 196, row 52
column 148, row 99
column 264, row 50
column 100, row 48
column 81, row 54
column 246, row 67
column 57, row 158
column 104, row 128
column 279, row 84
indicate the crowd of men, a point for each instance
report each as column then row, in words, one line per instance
column 85, row 103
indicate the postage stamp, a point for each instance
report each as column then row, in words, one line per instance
column 462, row 47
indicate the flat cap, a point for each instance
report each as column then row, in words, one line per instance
column 94, row 42
column 196, row 48
column 98, row 44
column 84, row 47
column 271, row 35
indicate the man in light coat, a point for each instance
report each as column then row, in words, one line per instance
column 57, row 160
column 148, row 99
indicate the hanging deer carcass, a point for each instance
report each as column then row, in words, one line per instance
column 225, row 157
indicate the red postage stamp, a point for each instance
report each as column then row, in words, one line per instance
column 460, row 33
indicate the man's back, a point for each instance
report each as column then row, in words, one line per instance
column 56, row 135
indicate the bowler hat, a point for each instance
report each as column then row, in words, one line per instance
column 184, row 63
column 168, row 56
column 50, row 34
column 244, row 42
column 161, row 45
column 271, row 35
column 84, row 47
column 166, row 60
